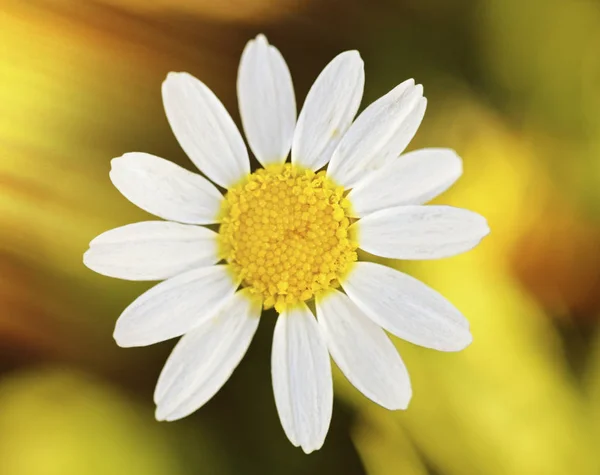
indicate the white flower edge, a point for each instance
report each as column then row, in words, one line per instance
column 406, row 307
column 420, row 232
column 266, row 101
column 205, row 357
column 151, row 250
column 363, row 351
column 302, row 382
column 413, row 178
column 165, row 189
column 379, row 134
column 175, row 306
column 204, row 129
column 330, row 106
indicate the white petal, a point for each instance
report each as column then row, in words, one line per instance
column 266, row 100
column 406, row 307
column 203, row 360
column 379, row 134
column 330, row 106
column 164, row 189
column 412, row 179
column 302, row 381
column 204, row 129
column 363, row 352
column 175, row 306
column 420, row 232
column 151, row 250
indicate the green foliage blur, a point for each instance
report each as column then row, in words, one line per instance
column 513, row 86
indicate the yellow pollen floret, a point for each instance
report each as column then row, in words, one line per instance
column 284, row 232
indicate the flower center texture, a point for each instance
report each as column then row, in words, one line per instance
column 284, row 232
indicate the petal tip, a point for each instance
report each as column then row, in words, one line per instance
column 164, row 413
column 117, row 160
column 173, row 77
column 261, row 39
column 121, row 339
column 310, row 448
column 401, row 400
column 160, row 414
column 398, row 406
column 483, row 226
column 125, row 159
column 86, row 258
column 403, row 405
column 465, row 342
column 487, row 229
column 352, row 54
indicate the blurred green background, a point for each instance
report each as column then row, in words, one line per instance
column 513, row 86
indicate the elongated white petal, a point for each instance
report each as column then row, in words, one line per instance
column 204, row 129
column 330, row 106
column 302, row 381
column 406, row 307
column 174, row 306
column 363, row 352
column 266, row 100
column 412, row 179
column 204, row 359
column 151, row 250
column 379, row 134
column 164, row 189
column 420, row 232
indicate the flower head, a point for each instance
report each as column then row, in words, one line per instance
column 288, row 235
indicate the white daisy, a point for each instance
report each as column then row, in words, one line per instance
column 288, row 236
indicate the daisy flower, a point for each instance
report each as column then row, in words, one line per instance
column 287, row 237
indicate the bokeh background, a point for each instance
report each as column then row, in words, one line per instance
column 513, row 86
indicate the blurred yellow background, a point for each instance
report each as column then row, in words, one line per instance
column 513, row 86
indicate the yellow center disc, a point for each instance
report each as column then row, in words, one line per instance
column 284, row 232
